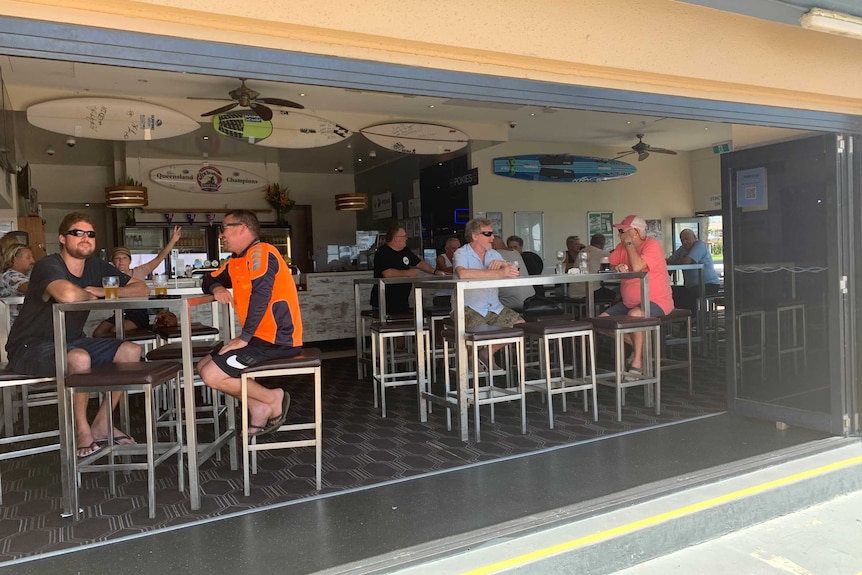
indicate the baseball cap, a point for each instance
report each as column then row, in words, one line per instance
column 632, row 221
column 121, row 250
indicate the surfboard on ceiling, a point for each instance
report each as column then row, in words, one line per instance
column 416, row 138
column 110, row 119
column 285, row 130
column 562, row 168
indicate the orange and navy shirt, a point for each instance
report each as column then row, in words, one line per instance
column 264, row 295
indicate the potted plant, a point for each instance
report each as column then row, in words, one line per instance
column 278, row 197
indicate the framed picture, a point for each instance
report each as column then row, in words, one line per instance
column 653, row 229
column 601, row 223
column 496, row 222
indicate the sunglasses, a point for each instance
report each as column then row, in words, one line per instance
column 621, row 231
column 81, row 233
column 221, row 227
column 487, row 234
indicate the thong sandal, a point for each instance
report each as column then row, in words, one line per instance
column 119, row 439
column 94, row 447
column 273, row 423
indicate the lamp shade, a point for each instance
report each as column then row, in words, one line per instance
column 353, row 202
column 126, row 197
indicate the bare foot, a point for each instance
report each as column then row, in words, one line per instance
column 120, row 438
column 260, row 415
column 86, row 444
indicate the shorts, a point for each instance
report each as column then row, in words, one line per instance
column 38, row 358
column 257, row 351
column 620, row 308
column 139, row 317
column 506, row 318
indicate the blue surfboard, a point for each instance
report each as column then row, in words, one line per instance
column 562, row 168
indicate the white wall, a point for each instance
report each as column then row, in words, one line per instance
column 660, row 189
column 705, row 180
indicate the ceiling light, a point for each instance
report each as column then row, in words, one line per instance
column 302, row 94
column 351, row 202
column 339, row 168
column 832, row 22
column 430, row 105
column 126, row 197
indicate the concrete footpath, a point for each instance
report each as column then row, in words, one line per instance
column 823, row 539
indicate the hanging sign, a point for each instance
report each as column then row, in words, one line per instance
column 208, row 179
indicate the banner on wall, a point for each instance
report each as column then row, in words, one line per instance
column 210, row 178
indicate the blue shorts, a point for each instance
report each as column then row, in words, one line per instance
column 257, row 351
column 620, row 308
column 38, row 358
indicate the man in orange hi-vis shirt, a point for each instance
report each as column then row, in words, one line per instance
column 266, row 303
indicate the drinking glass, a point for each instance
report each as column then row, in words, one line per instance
column 112, row 287
column 160, row 284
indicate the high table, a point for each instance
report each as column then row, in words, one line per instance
column 182, row 307
column 459, row 287
column 381, row 286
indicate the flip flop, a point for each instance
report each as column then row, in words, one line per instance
column 273, row 423
column 94, row 447
column 119, row 439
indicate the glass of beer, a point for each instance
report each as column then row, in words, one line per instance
column 112, row 287
column 605, row 265
column 160, row 284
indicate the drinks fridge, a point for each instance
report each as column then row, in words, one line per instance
column 195, row 247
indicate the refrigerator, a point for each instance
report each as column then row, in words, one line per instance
column 194, row 248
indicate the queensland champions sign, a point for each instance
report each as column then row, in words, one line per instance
column 208, row 179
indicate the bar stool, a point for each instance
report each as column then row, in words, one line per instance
column 618, row 326
column 747, row 352
column 797, row 341
column 10, row 381
column 488, row 336
column 681, row 317
column 564, row 332
column 714, row 318
column 383, row 353
column 436, row 317
column 118, row 377
column 363, row 354
column 307, row 362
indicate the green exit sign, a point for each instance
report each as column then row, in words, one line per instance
column 721, row 148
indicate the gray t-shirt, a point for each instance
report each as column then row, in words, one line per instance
column 513, row 297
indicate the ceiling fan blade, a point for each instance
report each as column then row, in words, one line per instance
column 261, row 110
column 220, row 110
column 642, row 156
column 210, row 99
column 623, row 154
column 662, row 151
column 280, row 102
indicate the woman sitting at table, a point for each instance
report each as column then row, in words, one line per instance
column 122, row 260
column 17, row 264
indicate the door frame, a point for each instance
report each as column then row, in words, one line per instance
column 77, row 43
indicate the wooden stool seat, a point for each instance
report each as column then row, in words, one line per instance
column 200, row 348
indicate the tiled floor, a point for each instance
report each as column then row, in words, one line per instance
column 360, row 449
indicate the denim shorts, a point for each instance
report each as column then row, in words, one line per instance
column 38, row 358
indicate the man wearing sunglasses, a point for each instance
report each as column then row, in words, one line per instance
column 637, row 252
column 477, row 260
column 70, row 276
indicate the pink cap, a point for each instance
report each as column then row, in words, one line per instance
column 632, row 221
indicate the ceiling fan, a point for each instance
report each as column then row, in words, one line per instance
column 642, row 149
column 248, row 98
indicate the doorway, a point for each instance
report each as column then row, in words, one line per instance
column 785, row 207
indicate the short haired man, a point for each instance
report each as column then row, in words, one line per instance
column 515, row 243
column 395, row 260
column 513, row 297
column 573, row 249
column 267, row 307
column 70, row 276
column 637, row 252
column 693, row 251
column 477, row 260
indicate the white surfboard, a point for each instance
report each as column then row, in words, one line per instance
column 416, row 138
column 287, row 129
column 208, row 179
column 110, row 119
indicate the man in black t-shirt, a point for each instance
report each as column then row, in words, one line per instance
column 70, row 276
column 395, row 260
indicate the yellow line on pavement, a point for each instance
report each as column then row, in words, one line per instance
column 656, row 519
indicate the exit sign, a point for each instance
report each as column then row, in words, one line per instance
column 722, row 148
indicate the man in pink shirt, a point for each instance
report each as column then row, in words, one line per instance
column 638, row 253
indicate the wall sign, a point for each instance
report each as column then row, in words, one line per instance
column 381, row 206
column 208, row 179
column 751, row 188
